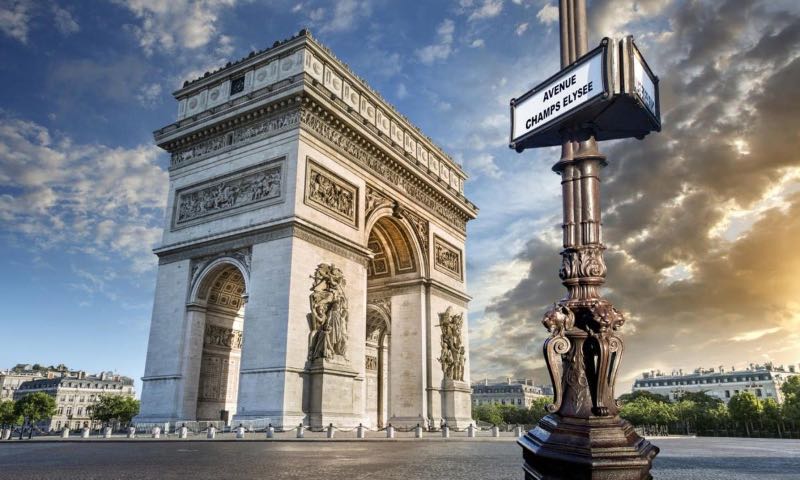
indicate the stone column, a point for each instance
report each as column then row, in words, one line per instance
column 192, row 358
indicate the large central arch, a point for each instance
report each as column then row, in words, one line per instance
column 394, row 271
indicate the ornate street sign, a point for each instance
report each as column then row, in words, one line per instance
column 538, row 114
column 609, row 91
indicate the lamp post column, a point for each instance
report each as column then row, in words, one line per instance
column 583, row 436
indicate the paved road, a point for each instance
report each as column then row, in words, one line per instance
column 680, row 458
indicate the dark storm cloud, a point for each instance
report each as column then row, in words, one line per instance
column 731, row 116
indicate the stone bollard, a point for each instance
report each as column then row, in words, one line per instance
column 6, row 434
column 85, row 432
column 360, row 431
column 301, row 431
column 495, row 431
column 390, row 431
column 212, row 432
column 270, row 431
column 239, row 432
column 107, row 432
column 518, row 431
column 445, row 431
column 156, row 432
column 131, row 432
column 65, row 433
column 330, row 430
column 418, row 432
column 183, row 432
column 471, row 431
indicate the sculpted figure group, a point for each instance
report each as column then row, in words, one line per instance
column 453, row 353
column 328, row 317
column 225, row 195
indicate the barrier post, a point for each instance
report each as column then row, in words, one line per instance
column 330, row 430
column 183, row 432
column 301, row 431
column 85, row 432
column 270, row 431
column 107, row 432
column 445, row 431
column 156, row 432
column 360, row 431
column 212, row 432
column 418, row 432
column 239, row 432
column 390, row 431
column 495, row 431
column 65, row 432
column 471, row 431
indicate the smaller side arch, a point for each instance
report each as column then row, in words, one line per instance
column 204, row 279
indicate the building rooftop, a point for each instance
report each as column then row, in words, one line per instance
column 721, row 370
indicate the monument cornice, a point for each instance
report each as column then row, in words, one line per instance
column 283, row 228
column 317, row 59
column 385, row 164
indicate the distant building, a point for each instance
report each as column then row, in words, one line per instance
column 520, row 393
column 11, row 379
column 74, row 393
column 763, row 381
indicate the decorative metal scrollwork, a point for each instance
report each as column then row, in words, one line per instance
column 558, row 320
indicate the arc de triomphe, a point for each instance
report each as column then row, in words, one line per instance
column 312, row 266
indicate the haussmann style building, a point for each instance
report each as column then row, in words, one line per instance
column 75, row 392
column 312, row 265
column 764, row 381
column 520, row 393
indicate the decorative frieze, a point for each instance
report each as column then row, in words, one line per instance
column 258, row 130
column 331, row 194
column 421, row 230
column 384, row 168
column 217, row 336
column 447, row 258
column 374, row 200
column 252, row 186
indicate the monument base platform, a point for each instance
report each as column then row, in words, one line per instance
column 597, row 448
column 334, row 392
column 457, row 399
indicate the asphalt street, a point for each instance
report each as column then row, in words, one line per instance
column 680, row 458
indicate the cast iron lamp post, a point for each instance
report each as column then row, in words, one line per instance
column 583, row 437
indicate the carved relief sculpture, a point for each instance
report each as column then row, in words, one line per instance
column 328, row 317
column 237, row 190
column 331, row 194
column 446, row 258
column 223, row 337
column 453, row 353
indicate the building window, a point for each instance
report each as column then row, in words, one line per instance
column 61, row 410
column 758, row 392
column 69, row 410
column 237, row 85
column 519, row 400
column 727, row 394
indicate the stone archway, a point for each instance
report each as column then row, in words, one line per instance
column 217, row 315
column 395, row 267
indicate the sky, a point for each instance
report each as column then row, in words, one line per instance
column 701, row 220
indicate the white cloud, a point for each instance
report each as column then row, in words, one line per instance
column 176, row 23
column 442, row 48
column 402, row 91
column 548, row 14
column 149, row 95
column 86, row 198
column 521, row 28
column 14, row 19
column 477, row 43
column 483, row 164
column 488, row 9
column 345, row 15
column 64, row 21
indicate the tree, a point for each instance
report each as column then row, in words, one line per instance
column 791, row 399
column 745, row 407
column 772, row 414
column 114, row 407
column 35, row 407
column 630, row 397
column 646, row 411
column 489, row 413
column 8, row 418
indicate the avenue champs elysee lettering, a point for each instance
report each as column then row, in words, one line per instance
column 558, row 97
column 574, row 94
